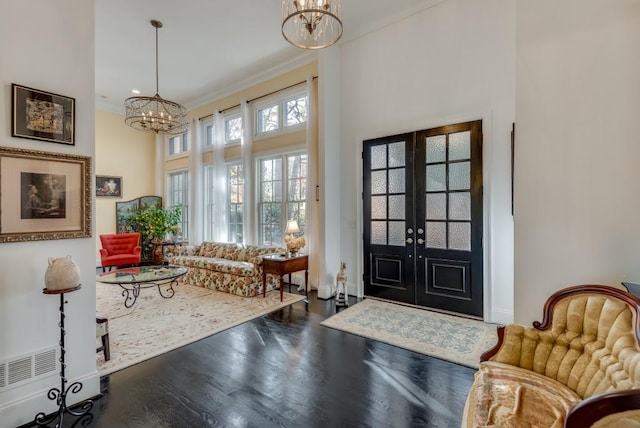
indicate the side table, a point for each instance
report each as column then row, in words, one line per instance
column 159, row 250
column 280, row 265
column 60, row 395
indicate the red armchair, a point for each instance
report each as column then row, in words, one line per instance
column 122, row 249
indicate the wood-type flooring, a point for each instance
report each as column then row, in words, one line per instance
column 285, row 370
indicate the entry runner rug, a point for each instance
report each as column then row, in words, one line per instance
column 155, row 325
column 455, row 339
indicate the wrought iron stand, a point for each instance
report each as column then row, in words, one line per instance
column 84, row 418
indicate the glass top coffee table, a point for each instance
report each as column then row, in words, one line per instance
column 132, row 280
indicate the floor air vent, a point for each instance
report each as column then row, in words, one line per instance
column 27, row 367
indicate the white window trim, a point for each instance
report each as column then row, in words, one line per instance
column 203, row 131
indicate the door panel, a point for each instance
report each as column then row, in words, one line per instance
column 422, row 201
column 449, row 209
column 388, row 208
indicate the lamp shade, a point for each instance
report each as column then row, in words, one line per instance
column 292, row 227
column 312, row 24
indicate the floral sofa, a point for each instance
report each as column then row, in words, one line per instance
column 228, row 267
column 587, row 344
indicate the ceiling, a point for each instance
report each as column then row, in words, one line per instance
column 207, row 47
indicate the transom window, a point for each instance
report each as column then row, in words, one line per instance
column 178, row 144
column 282, row 114
column 233, row 129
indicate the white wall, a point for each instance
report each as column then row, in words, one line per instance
column 48, row 46
column 451, row 63
column 577, row 147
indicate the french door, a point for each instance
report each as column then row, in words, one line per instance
column 422, row 204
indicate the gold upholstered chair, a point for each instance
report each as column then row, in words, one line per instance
column 587, row 344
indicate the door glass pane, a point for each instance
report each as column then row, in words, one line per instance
column 379, row 157
column 460, row 145
column 436, row 149
column 396, row 154
column 379, row 232
column 396, row 233
column 436, row 206
column 379, row 207
column 436, row 234
column 459, row 176
column 378, row 182
column 396, row 180
column 460, row 206
column 460, row 236
column 396, row 207
column 436, row 178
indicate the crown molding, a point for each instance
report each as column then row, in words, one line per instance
column 235, row 86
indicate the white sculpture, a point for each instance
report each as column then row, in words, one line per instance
column 342, row 297
column 62, row 273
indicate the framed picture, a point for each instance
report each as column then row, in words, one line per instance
column 40, row 115
column 107, row 185
column 44, row 195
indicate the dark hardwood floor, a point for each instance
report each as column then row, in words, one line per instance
column 285, row 370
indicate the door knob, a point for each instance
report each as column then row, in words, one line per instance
column 409, row 231
column 420, row 231
column 420, row 241
column 409, row 241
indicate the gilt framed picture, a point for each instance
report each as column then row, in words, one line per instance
column 44, row 195
column 107, row 185
column 44, row 116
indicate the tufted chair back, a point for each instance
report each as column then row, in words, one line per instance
column 120, row 249
column 588, row 340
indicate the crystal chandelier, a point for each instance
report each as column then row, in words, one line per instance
column 312, row 24
column 155, row 114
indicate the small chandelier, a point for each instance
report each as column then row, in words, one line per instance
column 312, row 24
column 155, row 114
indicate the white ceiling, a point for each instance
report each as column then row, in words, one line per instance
column 207, row 47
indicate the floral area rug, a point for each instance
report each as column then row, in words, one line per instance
column 455, row 339
column 155, row 325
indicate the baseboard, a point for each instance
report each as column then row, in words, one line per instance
column 23, row 410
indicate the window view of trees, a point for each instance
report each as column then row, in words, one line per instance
column 296, row 111
column 233, row 129
column 268, row 119
column 235, row 198
column 283, row 181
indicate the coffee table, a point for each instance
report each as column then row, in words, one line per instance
column 133, row 279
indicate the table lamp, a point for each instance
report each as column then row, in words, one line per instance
column 293, row 244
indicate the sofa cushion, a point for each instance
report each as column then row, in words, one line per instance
column 506, row 396
column 233, row 267
column 221, row 250
column 253, row 253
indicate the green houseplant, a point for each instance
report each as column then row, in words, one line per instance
column 153, row 224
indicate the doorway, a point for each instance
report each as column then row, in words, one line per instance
column 422, row 209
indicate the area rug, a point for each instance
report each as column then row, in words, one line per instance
column 455, row 339
column 155, row 325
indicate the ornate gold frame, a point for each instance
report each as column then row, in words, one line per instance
column 69, row 218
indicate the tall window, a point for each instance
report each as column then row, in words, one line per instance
column 235, row 199
column 178, row 195
column 209, row 203
column 282, row 113
column 282, row 184
column 179, row 144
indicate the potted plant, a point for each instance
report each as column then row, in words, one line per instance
column 153, row 224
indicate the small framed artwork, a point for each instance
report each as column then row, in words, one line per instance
column 44, row 195
column 107, row 185
column 40, row 115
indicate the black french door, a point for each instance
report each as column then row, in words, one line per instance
column 422, row 204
